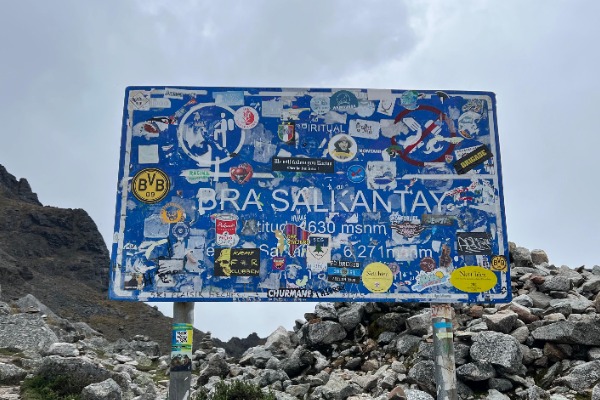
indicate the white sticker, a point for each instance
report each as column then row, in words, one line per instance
column 386, row 106
column 231, row 98
column 272, row 108
column 175, row 93
column 390, row 128
column 404, row 253
column 318, row 252
column 246, row 117
column 364, row 128
column 460, row 153
column 379, row 94
column 196, row 175
column 284, row 153
column 170, row 266
column 381, row 175
column 206, row 195
column 139, row 100
column 148, row 154
column 160, row 102
column 155, row 228
column 342, row 147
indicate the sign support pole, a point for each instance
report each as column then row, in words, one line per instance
column 180, row 377
column 443, row 352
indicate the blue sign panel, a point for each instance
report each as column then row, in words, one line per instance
column 271, row 194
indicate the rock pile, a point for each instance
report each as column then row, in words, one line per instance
column 545, row 344
column 35, row 342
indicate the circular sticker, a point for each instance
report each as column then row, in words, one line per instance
column 246, row 117
column 356, row 173
column 320, row 105
column 365, row 108
column 395, row 268
column 150, row 185
column 180, row 230
column 409, row 100
column 208, row 134
column 499, row 264
column 473, row 279
column 377, row 277
column 343, row 101
column 427, row 264
column 342, row 147
column 242, row 173
column 414, row 150
column 172, row 213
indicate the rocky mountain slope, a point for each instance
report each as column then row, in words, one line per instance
column 58, row 256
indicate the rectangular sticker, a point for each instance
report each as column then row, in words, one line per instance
column 237, row 262
column 160, row 102
column 139, row 100
column 174, row 93
column 474, row 243
column 318, row 252
column 344, row 271
column 444, row 335
column 441, row 311
column 442, row 325
column 472, row 159
column 291, row 164
column 379, row 94
column 181, row 347
column 272, row 108
column 229, row 98
column 364, row 129
column 148, row 154
column 443, row 220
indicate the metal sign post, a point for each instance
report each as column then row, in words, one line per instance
column 443, row 352
column 180, row 377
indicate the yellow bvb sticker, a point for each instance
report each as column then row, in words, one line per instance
column 499, row 263
column 377, row 277
column 473, row 279
column 150, row 185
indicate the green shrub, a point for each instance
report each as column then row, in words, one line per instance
column 237, row 390
column 38, row 388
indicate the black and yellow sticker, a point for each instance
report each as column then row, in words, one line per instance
column 472, row 159
column 499, row 264
column 150, row 185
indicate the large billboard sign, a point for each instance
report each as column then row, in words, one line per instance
column 279, row 194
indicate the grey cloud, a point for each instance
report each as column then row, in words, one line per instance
column 288, row 40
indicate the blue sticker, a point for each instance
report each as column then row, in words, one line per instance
column 356, row 173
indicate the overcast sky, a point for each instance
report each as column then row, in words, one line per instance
column 65, row 66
